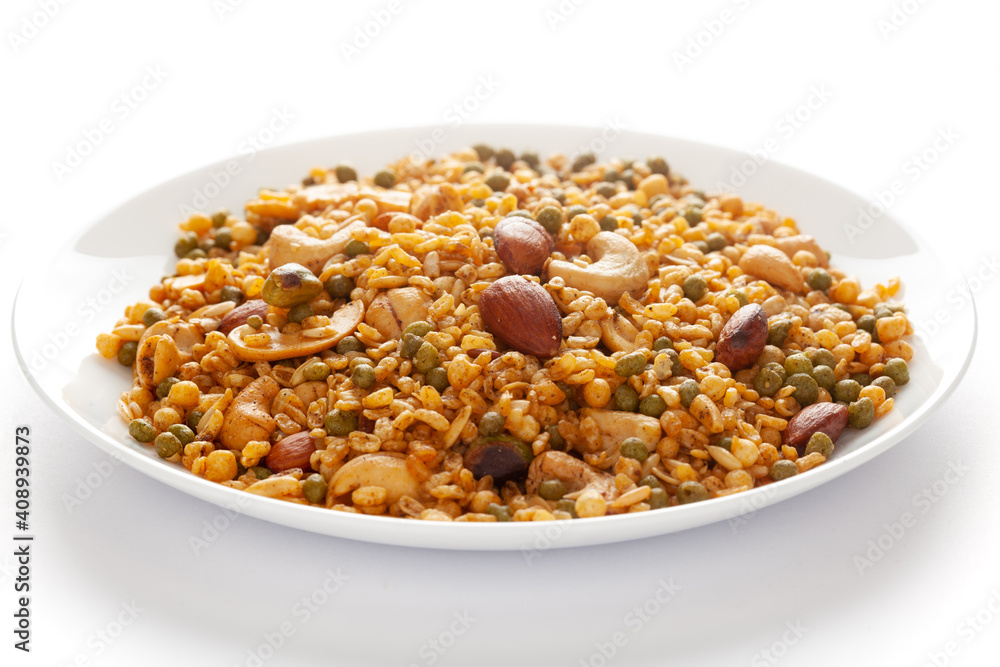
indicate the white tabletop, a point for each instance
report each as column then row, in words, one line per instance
column 855, row 92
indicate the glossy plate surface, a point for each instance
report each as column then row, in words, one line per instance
column 62, row 307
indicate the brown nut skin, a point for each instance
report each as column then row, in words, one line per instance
column 501, row 457
column 522, row 244
column 292, row 451
column 239, row 315
column 365, row 425
column 828, row 418
column 523, row 315
column 743, row 337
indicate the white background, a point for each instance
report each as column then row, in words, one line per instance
column 887, row 94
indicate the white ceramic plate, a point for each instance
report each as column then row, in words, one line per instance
column 62, row 307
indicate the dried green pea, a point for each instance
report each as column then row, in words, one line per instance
column 652, row 481
column 652, row 406
column 501, row 512
column 825, row 377
column 806, row 388
column 188, row 242
column 658, row 499
column 355, row 247
column 142, row 430
column 820, row 442
column 626, row 398
column 898, row 371
column 551, row 489
column 183, row 433
column 193, row 418
column 498, row 181
column 662, row 343
column 299, row 313
column 338, row 286
column 551, row 218
column 783, row 470
column 798, row 363
column 167, row 444
column 491, row 423
column 630, row 364
column 345, row 173
column 691, row 492
column 777, row 331
column 505, row 157
column 363, row 376
column 861, row 413
column 127, row 352
column 768, row 381
column 695, row 287
column 316, row 372
column 687, row 391
column 484, row 151
column 223, row 238
column 314, row 489
column 634, row 448
column 438, row 378
column 340, row 422
column 419, row 328
column 350, row 344
column 716, row 241
column 163, row 389
column 568, row 506
column 426, row 358
column 846, row 391
column 887, row 384
column 151, row 316
column 556, row 440
column 409, row 345
column 385, row 178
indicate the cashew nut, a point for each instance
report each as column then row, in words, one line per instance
column 248, row 417
column 309, row 392
column 381, row 469
column 772, row 265
column 616, row 425
column 389, row 201
column 436, row 199
column 571, row 471
column 821, row 312
column 156, row 359
column 792, row 244
column 393, row 311
column 299, row 344
column 618, row 268
column 185, row 335
column 289, row 244
column 618, row 333
column 318, row 197
column 279, row 487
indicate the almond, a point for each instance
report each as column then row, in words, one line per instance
column 501, row 457
column 522, row 244
column 239, row 315
column 523, row 315
column 770, row 264
column 828, row 418
column 292, row 451
column 743, row 338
